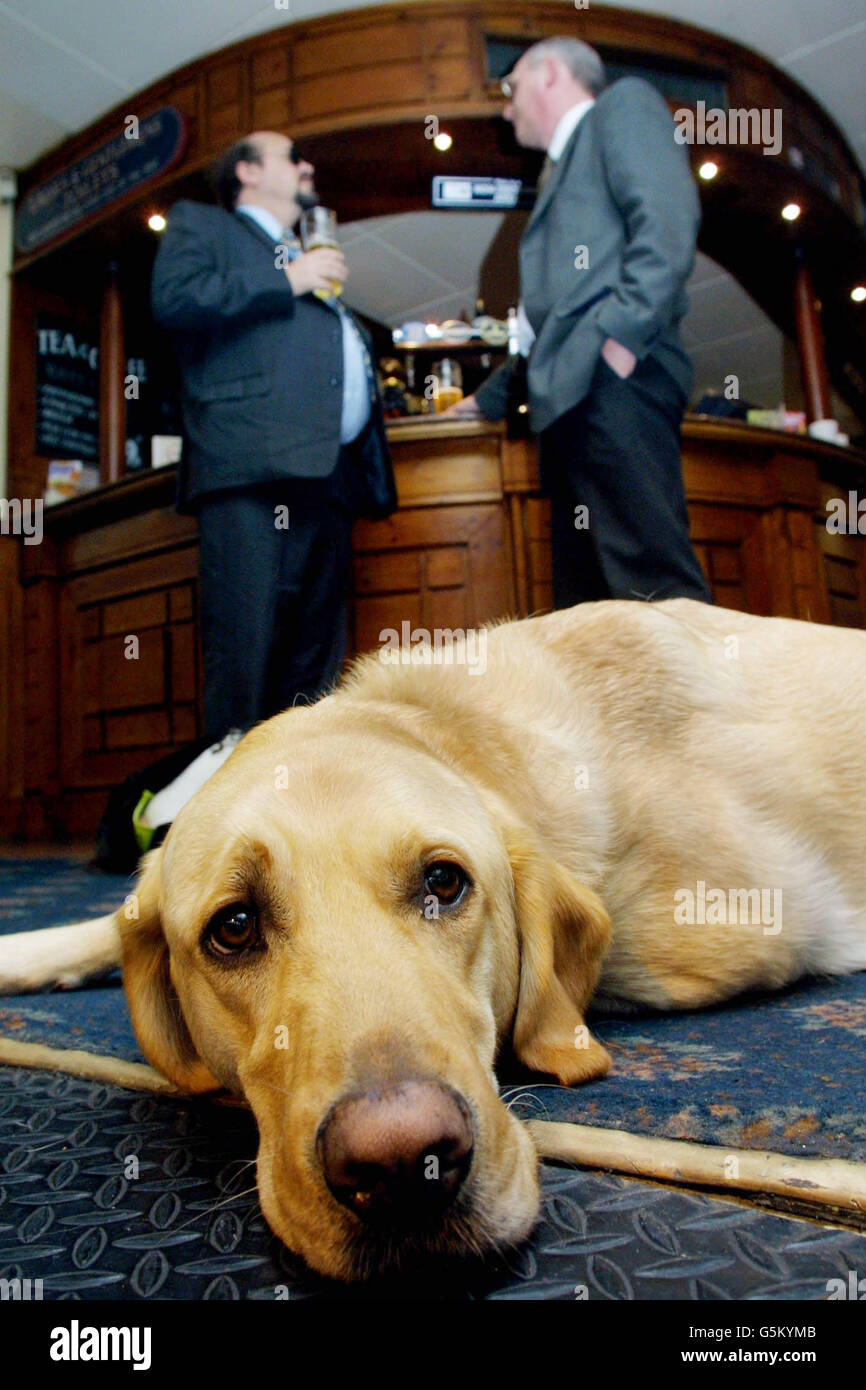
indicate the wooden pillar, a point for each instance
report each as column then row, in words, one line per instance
column 112, row 370
column 810, row 343
column 7, row 217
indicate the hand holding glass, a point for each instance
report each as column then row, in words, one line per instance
column 319, row 228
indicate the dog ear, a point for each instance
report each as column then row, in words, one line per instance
column 564, row 932
column 153, row 1003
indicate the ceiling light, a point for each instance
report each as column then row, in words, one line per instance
column 858, row 294
column 708, row 170
column 791, row 211
column 442, row 141
column 156, row 222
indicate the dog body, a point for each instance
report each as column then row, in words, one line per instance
column 655, row 804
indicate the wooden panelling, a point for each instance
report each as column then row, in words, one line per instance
column 446, row 569
column 180, row 603
column 453, row 469
column 224, row 85
column 149, row 729
column 269, row 68
column 458, row 558
column 449, row 78
column 129, row 668
column 535, row 532
column 271, row 110
column 129, row 615
column 464, row 547
column 382, row 85
column 843, row 557
column 398, row 40
column 446, row 36
column 397, row 572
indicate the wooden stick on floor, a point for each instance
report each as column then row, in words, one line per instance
column 832, row 1182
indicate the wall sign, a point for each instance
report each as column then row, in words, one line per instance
column 67, row 390
column 137, row 154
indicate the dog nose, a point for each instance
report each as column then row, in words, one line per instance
column 397, row 1154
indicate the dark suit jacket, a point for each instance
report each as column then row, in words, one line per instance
column 261, row 369
column 622, row 189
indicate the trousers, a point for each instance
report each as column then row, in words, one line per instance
column 274, row 602
column 611, row 467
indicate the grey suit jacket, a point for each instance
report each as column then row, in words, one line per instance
column 623, row 190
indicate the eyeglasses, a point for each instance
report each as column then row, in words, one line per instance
column 295, row 156
column 508, row 87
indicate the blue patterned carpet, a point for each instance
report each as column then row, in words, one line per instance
column 782, row 1072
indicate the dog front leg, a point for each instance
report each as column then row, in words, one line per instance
column 58, row 957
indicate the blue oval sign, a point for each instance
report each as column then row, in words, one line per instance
column 144, row 149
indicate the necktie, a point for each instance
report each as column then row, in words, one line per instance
column 294, row 249
column 335, row 302
column 291, row 243
column 544, row 174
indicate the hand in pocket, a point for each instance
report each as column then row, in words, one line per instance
column 618, row 358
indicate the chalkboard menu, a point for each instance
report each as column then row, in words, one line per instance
column 67, row 390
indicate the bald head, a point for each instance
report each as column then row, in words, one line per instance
column 548, row 79
column 263, row 170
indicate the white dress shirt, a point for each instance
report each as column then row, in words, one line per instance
column 566, row 127
column 356, row 389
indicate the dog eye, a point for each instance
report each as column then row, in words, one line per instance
column 446, row 881
column 233, row 931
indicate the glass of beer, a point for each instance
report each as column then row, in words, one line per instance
column 319, row 228
column 449, row 384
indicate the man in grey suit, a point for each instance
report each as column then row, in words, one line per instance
column 603, row 264
column 285, row 439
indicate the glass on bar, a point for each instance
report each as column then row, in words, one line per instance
column 449, row 384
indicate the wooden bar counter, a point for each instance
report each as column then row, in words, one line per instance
column 102, row 666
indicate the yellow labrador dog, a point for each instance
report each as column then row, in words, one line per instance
column 656, row 803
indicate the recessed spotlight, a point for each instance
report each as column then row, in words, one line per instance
column 156, row 222
column 708, row 170
column 858, row 294
column 442, row 141
column 791, row 211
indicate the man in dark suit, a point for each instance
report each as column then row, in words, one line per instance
column 603, row 265
column 285, row 438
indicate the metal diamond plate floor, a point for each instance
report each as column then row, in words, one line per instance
column 74, row 1213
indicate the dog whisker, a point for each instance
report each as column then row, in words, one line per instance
column 202, row 1215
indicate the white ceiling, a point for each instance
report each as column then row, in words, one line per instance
column 417, row 265
column 64, row 62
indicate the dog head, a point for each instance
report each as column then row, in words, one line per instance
column 344, row 928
